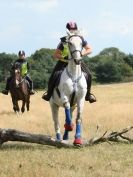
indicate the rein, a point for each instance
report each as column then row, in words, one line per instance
column 19, row 82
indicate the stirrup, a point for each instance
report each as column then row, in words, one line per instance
column 92, row 98
column 45, row 93
column 32, row 92
column 45, row 96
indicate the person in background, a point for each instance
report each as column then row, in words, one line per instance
column 24, row 65
column 61, row 54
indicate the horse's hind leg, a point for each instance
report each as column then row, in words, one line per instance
column 55, row 113
column 68, row 124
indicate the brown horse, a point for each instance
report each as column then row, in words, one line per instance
column 19, row 90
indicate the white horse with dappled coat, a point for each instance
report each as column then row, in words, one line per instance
column 71, row 91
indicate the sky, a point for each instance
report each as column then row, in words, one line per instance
column 30, row 25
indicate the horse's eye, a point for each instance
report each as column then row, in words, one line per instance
column 70, row 43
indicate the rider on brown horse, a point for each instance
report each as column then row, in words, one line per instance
column 24, row 66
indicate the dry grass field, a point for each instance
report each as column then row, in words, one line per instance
column 113, row 111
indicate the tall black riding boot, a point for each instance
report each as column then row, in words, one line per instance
column 32, row 92
column 47, row 95
column 53, row 81
column 89, row 96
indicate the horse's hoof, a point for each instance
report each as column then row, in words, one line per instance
column 58, row 136
column 69, row 127
column 65, row 136
column 77, row 141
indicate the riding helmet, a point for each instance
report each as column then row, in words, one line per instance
column 71, row 26
column 21, row 53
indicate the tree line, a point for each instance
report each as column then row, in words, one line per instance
column 109, row 66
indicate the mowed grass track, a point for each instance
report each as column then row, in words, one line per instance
column 113, row 112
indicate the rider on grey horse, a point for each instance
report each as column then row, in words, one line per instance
column 23, row 64
column 61, row 53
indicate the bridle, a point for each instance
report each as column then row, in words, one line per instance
column 77, row 62
column 17, row 77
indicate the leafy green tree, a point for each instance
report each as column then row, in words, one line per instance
column 108, row 71
column 110, row 65
column 129, row 60
column 42, row 62
column 5, row 64
column 113, row 53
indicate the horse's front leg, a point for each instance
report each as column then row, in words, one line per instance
column 68, row 121
column 23, row 106
column 15, row 105
column 78, row 130
column 80, row 106
column 28, row 103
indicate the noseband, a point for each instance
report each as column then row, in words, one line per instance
column 77, row 62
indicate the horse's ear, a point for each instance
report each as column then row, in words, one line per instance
column 74, row 32
column 78, row 32
column 68, row 32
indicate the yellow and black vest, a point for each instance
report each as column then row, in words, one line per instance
column 24, row 69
